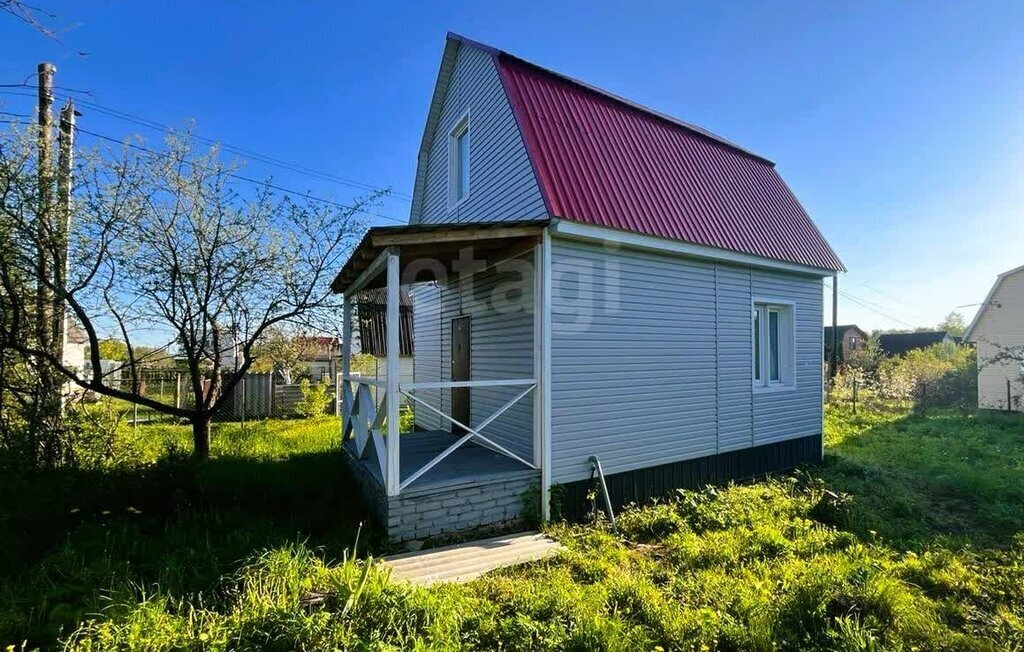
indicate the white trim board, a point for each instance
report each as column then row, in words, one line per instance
column 578, row 231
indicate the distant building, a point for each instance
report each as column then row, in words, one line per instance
column 76, row 346
column 321, row 357
column 998, row 333
column 851, row 338
column 894, row 344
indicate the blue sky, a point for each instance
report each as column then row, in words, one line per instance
column 898, row 125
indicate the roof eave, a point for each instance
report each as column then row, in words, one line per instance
column 968, row 334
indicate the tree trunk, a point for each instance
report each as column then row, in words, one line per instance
column 201, row 436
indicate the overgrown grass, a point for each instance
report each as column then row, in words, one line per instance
column 947, row 477
column 907, row 537
column 75, row 541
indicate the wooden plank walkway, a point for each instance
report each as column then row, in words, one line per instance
column 466, row 561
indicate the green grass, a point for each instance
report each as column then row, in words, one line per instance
column 949, row 477
column 907, row 537
column 75, row 541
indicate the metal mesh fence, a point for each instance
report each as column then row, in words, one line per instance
column 890, row 390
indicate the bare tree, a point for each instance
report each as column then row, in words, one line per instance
column 30, row 14
column 163, row 245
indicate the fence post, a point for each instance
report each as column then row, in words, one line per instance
column 337, row 395
column 855, row 393
column 1008, row 402
column 270, row 395
column 243, row 402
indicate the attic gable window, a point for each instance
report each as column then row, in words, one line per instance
column 458, row 158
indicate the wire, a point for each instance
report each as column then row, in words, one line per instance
column 227, row 147
column 875, row 310
column 244, row 178
column 263, row 158
column 864, row 303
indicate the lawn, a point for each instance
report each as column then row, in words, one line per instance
column 907, row 537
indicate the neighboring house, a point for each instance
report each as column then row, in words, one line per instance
column 76, row 345
column 593, row 280
column 997, row 332
column 851, row 338
column 894, row 344
column 321, row 356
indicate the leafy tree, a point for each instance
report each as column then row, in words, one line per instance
column 315, row 399
column 281, row 350
column 113, row 349
column 867, row 356
column 953, row 323
column 165, row 243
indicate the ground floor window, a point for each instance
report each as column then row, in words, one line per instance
column 773, row 344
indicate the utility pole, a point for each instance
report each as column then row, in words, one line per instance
column 833, row 362
column 44, row 230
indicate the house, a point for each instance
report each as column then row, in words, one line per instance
column 851, row 338
column 552, row 223
column 997, row 332
column 76, row 345
column 320, row 354
column 894, row 344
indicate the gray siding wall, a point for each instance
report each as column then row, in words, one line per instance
column 427, row 355
column 790, row 414
column 500, row 304
column 651, row 359
column 502, row 185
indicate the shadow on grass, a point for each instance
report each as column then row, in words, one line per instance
column 944, row 477
column 71, row 537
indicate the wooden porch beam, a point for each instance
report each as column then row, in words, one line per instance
column 371, row 272
column 455, row 235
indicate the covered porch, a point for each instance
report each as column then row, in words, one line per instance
column 479, row 393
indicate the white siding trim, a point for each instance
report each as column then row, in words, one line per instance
column 544, row 303
column 653, row 243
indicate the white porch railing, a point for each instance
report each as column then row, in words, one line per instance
column 471, row 433
column 363, row 418
column 376, row 422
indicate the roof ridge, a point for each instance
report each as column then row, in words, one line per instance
column 636, row 106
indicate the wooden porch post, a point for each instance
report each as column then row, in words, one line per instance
column 346, row 362
column 393, row 351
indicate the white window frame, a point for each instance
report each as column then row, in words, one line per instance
column 462, row 126
column 786, row 311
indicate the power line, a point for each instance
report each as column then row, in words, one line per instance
column 227, row 147
column 876, row 311
column 240, row 177
column 864, row 303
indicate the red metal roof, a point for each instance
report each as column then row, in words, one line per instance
column 603, row 160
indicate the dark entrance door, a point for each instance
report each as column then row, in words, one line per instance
column 460, row 371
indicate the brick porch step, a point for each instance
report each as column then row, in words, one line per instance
column 466, row 561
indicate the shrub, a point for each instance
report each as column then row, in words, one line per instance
column 315, row 399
